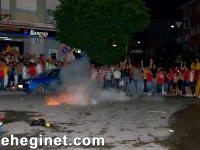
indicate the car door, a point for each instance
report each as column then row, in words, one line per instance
column 54, row 81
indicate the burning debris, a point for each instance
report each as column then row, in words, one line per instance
column 72, row 95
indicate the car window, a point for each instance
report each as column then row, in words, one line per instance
column 55, row 74
column 45, row 74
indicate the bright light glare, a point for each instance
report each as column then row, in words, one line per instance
column 172, row 26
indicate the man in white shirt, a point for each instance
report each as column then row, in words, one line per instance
column 116, row 77
column 39, row 67
column 192, row 82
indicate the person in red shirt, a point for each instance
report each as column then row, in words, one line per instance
column 160, row 81
column 32, row 70
column 149, row 81
column 171, row 81
column 186, row 75
column 42, row 58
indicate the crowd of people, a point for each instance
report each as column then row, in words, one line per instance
column 15, row 67
column 183, row 80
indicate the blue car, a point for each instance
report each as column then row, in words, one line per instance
column 48, row 80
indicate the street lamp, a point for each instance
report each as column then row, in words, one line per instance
column 138, row 42
column 172, row 26
column 114, row 44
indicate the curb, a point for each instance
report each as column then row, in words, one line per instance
column 12, row 93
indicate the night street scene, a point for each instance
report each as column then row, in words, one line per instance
column 100, row 75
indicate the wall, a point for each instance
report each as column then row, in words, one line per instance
column 31, row 47
column 27, row 45
column 26, row 17
column 51, row 4
column 27, row 4
column 52, row 44
column 37, row 48
column 5, row 4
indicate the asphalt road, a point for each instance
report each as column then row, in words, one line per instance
column 146, row 122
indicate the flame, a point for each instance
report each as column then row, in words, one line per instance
column 51, row 101
column 74, row 95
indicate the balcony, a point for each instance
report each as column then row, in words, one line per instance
column 49, row 17
column 5, row 9
column 26, row 11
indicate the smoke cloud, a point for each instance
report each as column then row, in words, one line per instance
column 79, row 89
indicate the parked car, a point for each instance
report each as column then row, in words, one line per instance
column 48, row 80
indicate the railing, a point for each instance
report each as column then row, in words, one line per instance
column 26, row 11
column 5, row 7
column 49, row 16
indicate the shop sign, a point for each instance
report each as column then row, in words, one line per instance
column 33, row 32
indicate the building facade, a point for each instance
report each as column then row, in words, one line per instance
column 191, row 15
column 195, row 25
column 34, row 19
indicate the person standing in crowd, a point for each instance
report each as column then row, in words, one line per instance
column 43, row 67
column 108, row 78
column 1, row 75
column 21, row 58
column 135, row 78
column 32, row 60
column 192, row 82
column 171, row 81
column 50, row 64
column 166, row 81
column 16, row 73
column 7, row 58
column 132, row 84
column 12, row 76
column 179, row 81
column 24, row 71
column 26, row 57
column 38, row 68
column 116, row 77
column 145, row 71
column 32, row 70
column 154, row 84
column 6, row 71
column 140, row 77
column 126, row 72
column 149, row 81
column 101, row 74
column 94, row 73
column 42, row 58
column 20, row 66
column 160, row 81
column 186, row 75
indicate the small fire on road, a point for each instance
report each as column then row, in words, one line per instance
column 74, row 95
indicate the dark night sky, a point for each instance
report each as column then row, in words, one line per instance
column 165, row 9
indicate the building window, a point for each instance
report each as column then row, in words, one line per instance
column 49, row 17
column 50, row 13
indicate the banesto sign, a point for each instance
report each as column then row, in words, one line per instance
column 33, row 32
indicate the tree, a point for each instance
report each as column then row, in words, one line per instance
column 93, row 26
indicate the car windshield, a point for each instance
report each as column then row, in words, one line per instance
column 46, row 73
